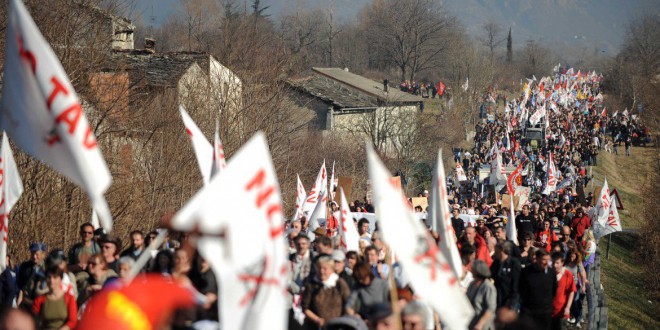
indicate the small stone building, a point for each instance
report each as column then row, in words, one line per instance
column 345, row 102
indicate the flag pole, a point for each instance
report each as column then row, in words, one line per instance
column 394, row 296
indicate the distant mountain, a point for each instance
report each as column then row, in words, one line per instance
column 593, row 25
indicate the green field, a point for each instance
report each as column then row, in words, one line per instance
column 622, row 275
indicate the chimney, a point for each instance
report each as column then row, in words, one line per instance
column 385, row 86
column 150, row 45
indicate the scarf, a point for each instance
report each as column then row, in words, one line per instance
column 331, row 282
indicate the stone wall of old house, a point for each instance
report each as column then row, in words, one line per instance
column 390, row 123
column 111, row 94
column 226, row 87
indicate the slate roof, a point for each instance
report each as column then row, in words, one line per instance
column 156, row 69
column 367, row 86
column 332, row 92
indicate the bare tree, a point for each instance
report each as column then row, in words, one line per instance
column 491, row 36
column 408, row 35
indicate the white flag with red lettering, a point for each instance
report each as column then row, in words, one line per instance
column 551, row 181
column 602, row 210
column 319, row 216
column 431, row 276
column 203, row 149
column 440, row 217
column 43, row 115
column 613, row 222
column 243, row 204
column 219, row 162
column 11, row 188
column 349, row 237
column 301, row 196
column 315, row 194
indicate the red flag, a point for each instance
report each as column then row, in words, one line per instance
column 604, row 112
column 143, row 304
column 441, row 88
column 515, row 179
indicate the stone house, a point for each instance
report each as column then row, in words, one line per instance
column 344, row 102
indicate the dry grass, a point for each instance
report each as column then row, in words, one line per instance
column 622, row 275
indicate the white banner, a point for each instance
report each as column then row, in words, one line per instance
column 11, row 188
column 203, row 148
column 603, row 206
column 430, row 275
column 301, row 196
column 219, row 161
column 440, row 218
column 613, row 222
column 315, row 193
column 243, row 204
column 348, row 234
column 551, row 181
column 43, row 115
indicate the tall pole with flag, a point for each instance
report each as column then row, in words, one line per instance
column 441, row 218
column 430, row 275
column 42, row 114
column 204, row 151
column 243, row 203
column 11, row 188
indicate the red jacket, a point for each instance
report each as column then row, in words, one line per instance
column 71, row 306
column 548, row 237
column 482, row 250
column 579, row 225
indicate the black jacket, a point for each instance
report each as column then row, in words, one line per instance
column 507, row 277
column 537, row 290
column 459, row 226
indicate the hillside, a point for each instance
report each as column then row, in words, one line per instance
column 622, row 275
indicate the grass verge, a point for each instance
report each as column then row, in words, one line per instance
column 622, row 275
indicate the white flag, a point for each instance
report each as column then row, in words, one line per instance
column 301, row 196
column 440, row 217
column 497, row 175
column 551, row 182
column 243, row 203
column 511, row 230
column 332, row 183
column 315, row 193
column 43, row 115
column 349, row 237
column 95, row 220
column 11, row 188
column 319, row 216
column 613, row 222
column 203, row 148
column 460, row 174
column 219, row 162
column 431, row 276
column 602, row 210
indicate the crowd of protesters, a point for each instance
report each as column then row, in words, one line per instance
column 426, row 89
column 55, row 285
column 538, row 279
